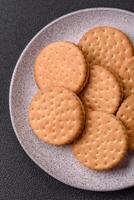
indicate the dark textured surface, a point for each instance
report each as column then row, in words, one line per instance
column 20, row 178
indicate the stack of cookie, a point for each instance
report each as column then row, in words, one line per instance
column 86, row 97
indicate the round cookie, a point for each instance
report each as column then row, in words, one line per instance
column 102, row 91
column 106, row 46
column 61, row 64
column 103, row 144
column 127, row 76
column 56, row 115
column 126, row 115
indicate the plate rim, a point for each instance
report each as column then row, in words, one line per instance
column 11, row 86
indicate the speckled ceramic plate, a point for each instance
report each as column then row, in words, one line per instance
column 59, row 161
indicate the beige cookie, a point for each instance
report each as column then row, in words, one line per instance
column 106, row 46
column 102, row 91
column 103, row 144
column 56, row 115
column 61, row 64
column 126, row 115
column 127, row 76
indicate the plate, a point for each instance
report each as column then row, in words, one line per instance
column 59, row 162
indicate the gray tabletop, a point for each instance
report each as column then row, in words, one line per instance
column 20, row 178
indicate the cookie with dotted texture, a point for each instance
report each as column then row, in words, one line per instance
column 106, row 46
column 127, row 76
column 102, row 91
column 103, row 144
column 61, row 64
column 56, row 115
column 126, row 115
